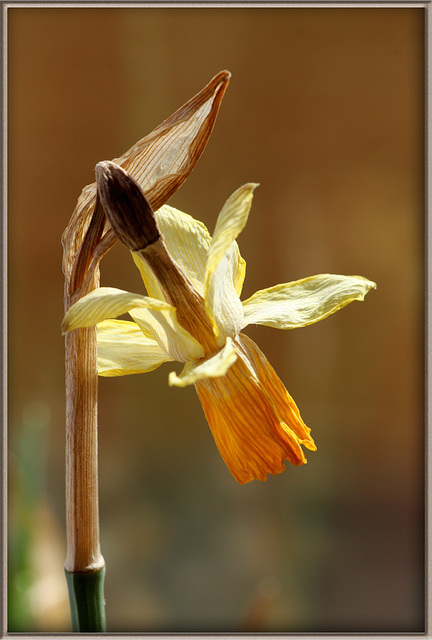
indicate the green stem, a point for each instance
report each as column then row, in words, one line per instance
column 86, row 597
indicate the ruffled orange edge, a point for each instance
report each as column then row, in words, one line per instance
column 254, row 421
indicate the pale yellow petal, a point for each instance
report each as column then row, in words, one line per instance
column 223, row 306
column 187, row 241
column 230, row 223
column 156, row 318
column 239, row 270
column 169, row 334
column 151, row 283
column 122, row 349
column 303, row 302
column 225, row 269
column 106, row 303
column 213, row 367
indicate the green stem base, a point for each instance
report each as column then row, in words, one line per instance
column 86, row 597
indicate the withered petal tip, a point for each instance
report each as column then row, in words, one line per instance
column 225, row 74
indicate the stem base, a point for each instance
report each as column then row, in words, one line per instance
column 86, row 597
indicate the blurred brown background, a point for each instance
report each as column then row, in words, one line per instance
column 325, row 111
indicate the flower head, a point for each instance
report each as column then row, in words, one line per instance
column 193, row 314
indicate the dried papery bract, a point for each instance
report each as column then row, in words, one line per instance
column 160, row 163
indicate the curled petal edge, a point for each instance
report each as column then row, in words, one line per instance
column 213, row 367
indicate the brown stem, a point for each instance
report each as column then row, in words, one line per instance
column 82, row 505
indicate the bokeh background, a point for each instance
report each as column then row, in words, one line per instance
column 325, row 111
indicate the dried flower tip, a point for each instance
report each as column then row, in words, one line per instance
column 126, row 207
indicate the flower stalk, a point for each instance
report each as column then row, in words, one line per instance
column 84, row 564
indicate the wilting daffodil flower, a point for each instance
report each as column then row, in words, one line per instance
column 193, row 314
column 160, row 163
